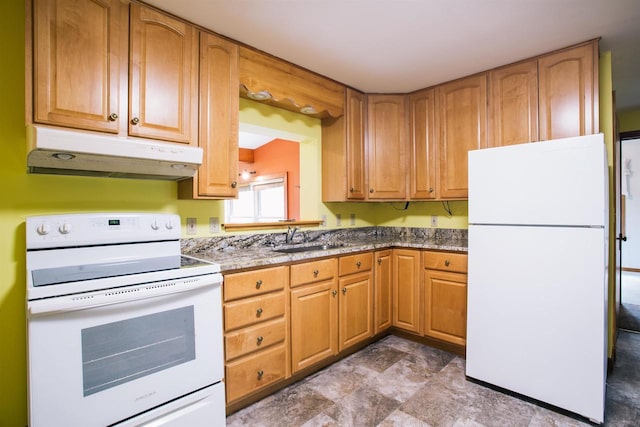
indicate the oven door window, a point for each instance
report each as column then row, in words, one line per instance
column 122, row 351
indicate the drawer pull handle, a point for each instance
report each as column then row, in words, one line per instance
column 259, row 312
column 344, row 291
column 260, row 374
column 358, row 264
column 446, row 262
column 316, row 272
column 334, row 293
column 258, row 284
column 260, row 339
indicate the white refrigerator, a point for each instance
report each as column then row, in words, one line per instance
column 537, row 283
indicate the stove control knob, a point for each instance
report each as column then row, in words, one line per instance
column 65, row 228
column 43, row 229
column 154, row 225
column 169, row 225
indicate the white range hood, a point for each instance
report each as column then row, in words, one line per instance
column 70, row 152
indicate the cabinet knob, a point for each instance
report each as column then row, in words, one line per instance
column 351, row 190
column 334, row 292
column 234, row 184
column 371, row 190
column 379, row 261
column 135, row 121
column 446, row 262
column 113, row 117
column 259, row 312
column 344, row 291
column 259, row 340
column 358, row 264
column 316, row 272
column 260, row 374
column 430, row 189
column 258, row 284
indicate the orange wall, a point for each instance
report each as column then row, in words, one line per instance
column 269, row 159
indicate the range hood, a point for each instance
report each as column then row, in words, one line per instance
column 70, row 152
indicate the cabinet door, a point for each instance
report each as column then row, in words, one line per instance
column 423, row 156
column 406, row 289
column 513, row 104
column 314, row 324
column 568, row 92
column 356, row 308
column 462, row 124
column 387, row 147
column 217, row 177
column 383, row 280
column 355, row 116
column 76, row 63
column 445, row 306
column 163, row 91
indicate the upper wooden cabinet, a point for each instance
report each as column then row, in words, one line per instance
column 423, row 145
column 387, row 147
column 513, row 104
column 163, row 84
column 218, row 136
column 462, row 125
column 569, row 92
column 343, row 152
column 289, row 86
column 76, row 63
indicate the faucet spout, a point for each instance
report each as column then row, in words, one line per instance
column 291, row 232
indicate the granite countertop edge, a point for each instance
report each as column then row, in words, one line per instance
column 262, row 256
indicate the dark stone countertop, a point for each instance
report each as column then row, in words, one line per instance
column 252, row 251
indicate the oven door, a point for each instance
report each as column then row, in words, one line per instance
column 102, row 357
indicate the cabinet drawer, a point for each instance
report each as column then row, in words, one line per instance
column 314, row 271
column 355, row 263
column 445, row 261
column 254, row 338
column 250, row 283
column 253, row 310
column 254, row 372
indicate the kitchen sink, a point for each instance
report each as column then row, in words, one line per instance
column 296, row 249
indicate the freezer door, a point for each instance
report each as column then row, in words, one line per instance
column 536, row 316
column 560, row 182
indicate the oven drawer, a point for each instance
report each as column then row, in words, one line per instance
column 355, row 263
column 254, row 372
column 253, row 310
column 254, row 338
column 313, row 271
column 256, row 282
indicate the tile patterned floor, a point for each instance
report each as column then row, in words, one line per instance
column 396, row 382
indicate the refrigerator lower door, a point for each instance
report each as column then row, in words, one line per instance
column 536, row 319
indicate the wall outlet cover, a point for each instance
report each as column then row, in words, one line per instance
column 338, row 220
column 352, row 219
column 214, row 224
column 192, row 226
column 434, row 221
column 324, row 220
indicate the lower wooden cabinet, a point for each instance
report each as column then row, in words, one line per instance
column 256, row 328
column 445, row 296
column 314, row 323
column 356, row 299
column 406, row 289
column 383, row 279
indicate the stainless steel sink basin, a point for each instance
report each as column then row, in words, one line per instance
column 296, row 249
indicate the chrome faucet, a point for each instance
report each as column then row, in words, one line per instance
column 290, row 233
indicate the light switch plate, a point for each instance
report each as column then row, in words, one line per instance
column 338, row 220
column 192, row 226
column 352, row 219
column 214, row 224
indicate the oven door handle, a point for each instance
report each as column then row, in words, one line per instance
column 119, row 295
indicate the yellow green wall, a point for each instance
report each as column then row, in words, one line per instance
column 629, row 120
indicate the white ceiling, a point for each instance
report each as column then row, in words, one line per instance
column 391, row 46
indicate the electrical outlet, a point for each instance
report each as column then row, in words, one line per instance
column 434, row 221
column 338, row 220
column 214, row 224
column 192, row 226
column 352, row 219
column 324, row 220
